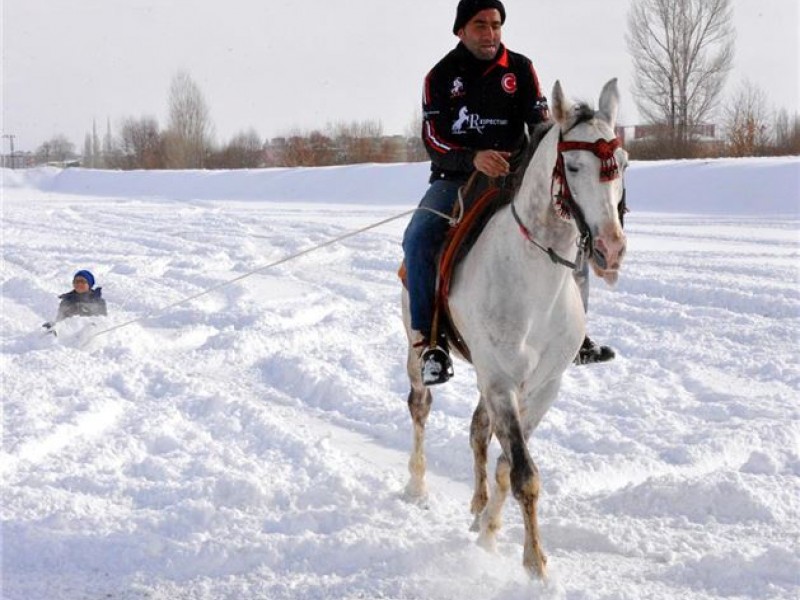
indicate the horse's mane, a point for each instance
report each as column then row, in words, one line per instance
column 582, row 113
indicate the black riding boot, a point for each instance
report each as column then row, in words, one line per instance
column 590, row 352
column 437, row 367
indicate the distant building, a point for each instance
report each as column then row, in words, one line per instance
column 17, row 160
column 701, row 132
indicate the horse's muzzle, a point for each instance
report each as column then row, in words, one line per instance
column 608, row 252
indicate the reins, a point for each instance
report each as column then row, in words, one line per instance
column 552, row 254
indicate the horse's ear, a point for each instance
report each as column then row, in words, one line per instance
column 561, row 106
column 609, row 102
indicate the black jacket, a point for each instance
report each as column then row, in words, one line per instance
column 90, row 304
column 470, row 104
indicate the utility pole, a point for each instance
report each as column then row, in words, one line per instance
column 11, row 137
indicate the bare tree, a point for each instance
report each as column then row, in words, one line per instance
column 682, row 51
column 140, row 145
column 295, row 150
column 188, row 136
column 96, row 150
column 88, row 156
column 56, row 149
column 747, row 121
column 108, row 139
column 342, row 143
column 358, row 141
column 415, row 148
column 307, row 150
column 392, row 149
column 787, row 133
column 244, row 151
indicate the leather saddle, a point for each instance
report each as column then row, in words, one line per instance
column 482, row 198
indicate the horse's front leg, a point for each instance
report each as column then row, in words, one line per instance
column 524, row 480
column 527, row 494
column 492, row 518
column 419, row 405
column 480, row 433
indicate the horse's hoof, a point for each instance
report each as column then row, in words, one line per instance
column 478, row 503
column 487, row 541
column 476, row 524
column 413, row 494
column 537, row 570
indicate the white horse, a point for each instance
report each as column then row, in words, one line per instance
column 516, row 305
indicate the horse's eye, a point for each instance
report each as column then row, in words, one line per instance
column 572, row 168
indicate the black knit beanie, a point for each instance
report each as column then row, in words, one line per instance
column 469, row 8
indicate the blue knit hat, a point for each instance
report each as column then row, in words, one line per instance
column 87, row 275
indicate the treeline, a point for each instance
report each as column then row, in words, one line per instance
column 748, row 127
column 746, row 131
column 141, row 145
column 187, row 142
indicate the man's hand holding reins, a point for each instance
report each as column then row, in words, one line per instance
column 493, row 163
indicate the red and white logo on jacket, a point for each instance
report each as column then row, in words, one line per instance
column 509, row 83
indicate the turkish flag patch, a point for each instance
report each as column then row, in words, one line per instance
column 509, row 83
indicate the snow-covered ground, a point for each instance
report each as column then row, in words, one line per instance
column 252, row 443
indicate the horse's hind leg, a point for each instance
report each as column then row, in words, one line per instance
column 419, row 405
column 480, row 434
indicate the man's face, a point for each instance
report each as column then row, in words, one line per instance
column 481, row 35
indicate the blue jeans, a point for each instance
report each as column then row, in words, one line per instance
column 421, row 244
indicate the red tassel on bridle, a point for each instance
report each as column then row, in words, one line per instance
column 563, row 195
column 602, row 149
column 609, row 170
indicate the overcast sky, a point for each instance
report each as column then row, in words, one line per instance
column 279, row 65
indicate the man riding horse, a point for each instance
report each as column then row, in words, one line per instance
column 477, row 102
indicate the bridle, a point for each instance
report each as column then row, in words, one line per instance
column 565, row 204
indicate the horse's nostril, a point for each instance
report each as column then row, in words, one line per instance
column 600, row 257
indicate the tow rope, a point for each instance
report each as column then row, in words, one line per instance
column 281, row 261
